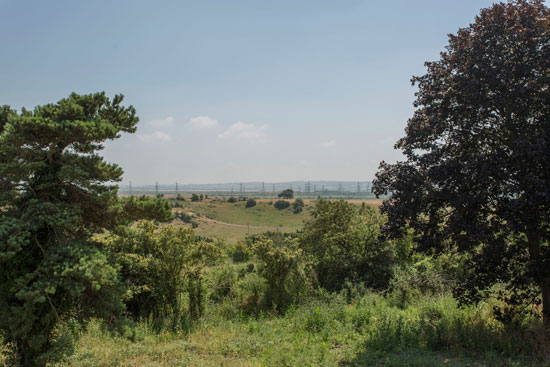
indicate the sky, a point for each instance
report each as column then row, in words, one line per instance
column 234, row 91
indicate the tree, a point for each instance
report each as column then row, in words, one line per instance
column 286, row 194
column 55, row 193
column 477, row 168
column 250, row 203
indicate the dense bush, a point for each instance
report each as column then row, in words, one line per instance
column 285, row 269
column 424, row 276
column 232, row 199
column 195, row 197
column 277, row 237
column 297, row 206
column 157, row 266
column 239, row 252
column 281, row 204
column 184, row 217
column 342, row 240
column 250, row 203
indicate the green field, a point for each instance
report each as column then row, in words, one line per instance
column 231, row 222
column 260, row 215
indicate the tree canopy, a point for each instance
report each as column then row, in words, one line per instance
column 56, row 192
column 286, row 194
column 477, row 168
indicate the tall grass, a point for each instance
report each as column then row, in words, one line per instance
column 329, row 330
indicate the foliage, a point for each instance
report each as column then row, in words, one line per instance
column 195, row 197
column 281, row 204
column 368, row 331
column 425, row 275
column 143, row 207
column 236, row 289
column 284, row 267
column 250, row 203
column 184, row 217
column 232, row 199
column 342, row 240
column 277, row 237
column 179, row 197
column 477, row 155
column 286, row 194
column 157, row 266
column 240, row 252
column 55, row 192
column 297, row 206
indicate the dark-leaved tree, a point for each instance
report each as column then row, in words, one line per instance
column 286, row 194
column 56, row 192
column 477, row 168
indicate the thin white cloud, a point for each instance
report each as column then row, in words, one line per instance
column 245, row 132
column 165, row 122
column 157, row 135
column 202, row 122
column 329, row 144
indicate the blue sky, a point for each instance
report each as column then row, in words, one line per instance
column 232, row 91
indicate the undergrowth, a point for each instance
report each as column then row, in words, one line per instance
column 326, row 331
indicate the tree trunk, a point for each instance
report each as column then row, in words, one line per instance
column 533, row 239
column 546, row 305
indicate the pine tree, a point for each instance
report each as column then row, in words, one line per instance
column 56, row 192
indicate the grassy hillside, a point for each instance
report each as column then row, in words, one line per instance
column 260, row 215
column 232, row 221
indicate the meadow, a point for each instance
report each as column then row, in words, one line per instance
column 231, row 222
column 328, row 331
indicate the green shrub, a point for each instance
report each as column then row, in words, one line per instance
column 281, row 204
column 240, row 252
column 221, row 282
column 184, row 217
column 195, row 197
column 250, row 203
column 236, row 289
column 297, row 206
column 284, row 268
column 342, row 240
column 232, row 199
column 425, row 276
column 157, row 266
